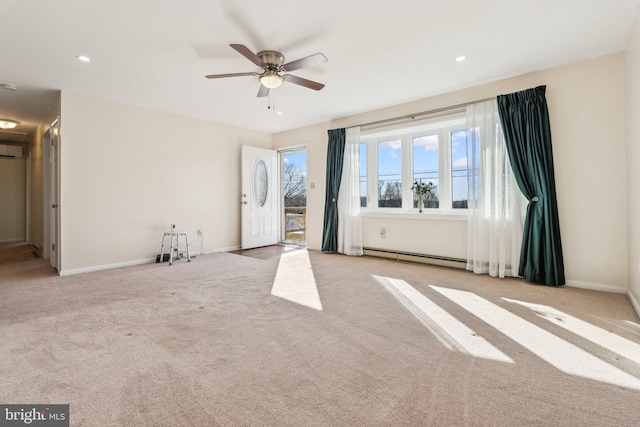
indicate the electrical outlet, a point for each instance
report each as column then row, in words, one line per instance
column 199, row 232
column 383, row 233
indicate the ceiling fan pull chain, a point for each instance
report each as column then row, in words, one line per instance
column 270, row 103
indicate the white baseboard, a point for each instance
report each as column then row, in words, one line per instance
column 634, row 303
column 17, row 242
column 213, row 251
column 596, row 287
column 135, row 262
column 105, row 267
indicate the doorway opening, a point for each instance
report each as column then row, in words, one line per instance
column 293, row 170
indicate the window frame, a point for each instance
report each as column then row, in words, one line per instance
column 442, row 126
column 366, row 176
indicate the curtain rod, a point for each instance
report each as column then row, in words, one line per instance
column 423, row 113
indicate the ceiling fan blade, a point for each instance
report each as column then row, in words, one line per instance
column 219, row 76
column 263, row 91
column 308, row 61
column 248, row 54
column 303, row 82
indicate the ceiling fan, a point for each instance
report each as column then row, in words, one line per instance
column 274, row 71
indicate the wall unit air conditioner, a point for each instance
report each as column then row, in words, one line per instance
column 11, row 151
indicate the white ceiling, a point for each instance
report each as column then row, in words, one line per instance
column 155, row 53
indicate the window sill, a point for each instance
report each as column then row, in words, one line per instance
column 429, row 216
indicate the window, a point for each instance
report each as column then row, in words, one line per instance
column 394, row 158
column 390, row 174
column 459, row 169
column 426, row 167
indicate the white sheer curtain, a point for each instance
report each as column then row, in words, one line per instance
column 495, row 222
column 349, row 224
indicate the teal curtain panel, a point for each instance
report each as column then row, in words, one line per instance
column 527, row 132
column 335, row 158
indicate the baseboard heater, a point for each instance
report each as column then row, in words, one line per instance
column 456, row 263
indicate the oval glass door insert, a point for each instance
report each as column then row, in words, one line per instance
column 260, row 183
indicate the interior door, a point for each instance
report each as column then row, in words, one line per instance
column 259, row 198
column 46, row 198
column 54, row 194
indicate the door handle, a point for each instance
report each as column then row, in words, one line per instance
column 54, row 205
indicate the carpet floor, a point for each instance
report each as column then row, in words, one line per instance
column 206, row 344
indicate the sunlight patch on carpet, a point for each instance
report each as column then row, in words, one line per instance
column 596, row 335
column 295, row 281
column 452, row 333
column 554, row 350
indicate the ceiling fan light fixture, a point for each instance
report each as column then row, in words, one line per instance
column 8, row 124
column 271, row 80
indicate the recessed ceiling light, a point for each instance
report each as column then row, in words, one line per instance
column 279, row 113
column 461, row 58
column 83, row 58
column 8, row 124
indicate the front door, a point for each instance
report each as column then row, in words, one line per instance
column 259, row 197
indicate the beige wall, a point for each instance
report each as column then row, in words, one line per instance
column 587, row 112
column 13, row 184
column 128, row 173
column 633, row 162
column 36, row 226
